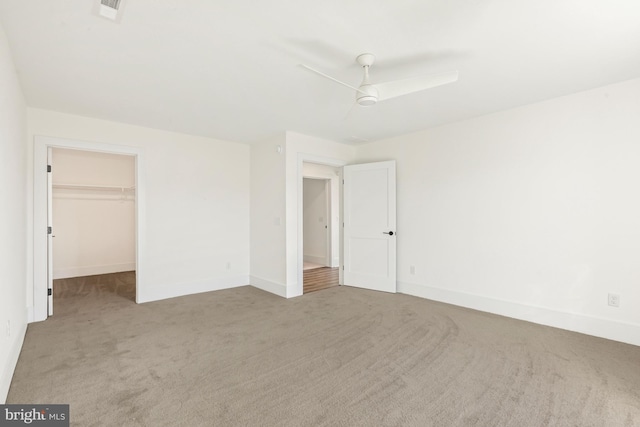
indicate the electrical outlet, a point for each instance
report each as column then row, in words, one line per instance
column 614, row 300
column 412, row 269
column 8, row 328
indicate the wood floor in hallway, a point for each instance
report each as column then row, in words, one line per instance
column 320, row 278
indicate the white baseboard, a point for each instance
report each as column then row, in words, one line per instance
column 65, row 273
column 157, row 293
column 15, row 345
column 269, row 286
column 30, row 318
column 590, row 325
column 315, row 259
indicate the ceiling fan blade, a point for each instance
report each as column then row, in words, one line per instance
column 397, row 88
column 331, row 78
column 350, row 112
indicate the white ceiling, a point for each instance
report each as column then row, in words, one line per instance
column 228, row 69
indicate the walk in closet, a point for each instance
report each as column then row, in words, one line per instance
column 93, row 213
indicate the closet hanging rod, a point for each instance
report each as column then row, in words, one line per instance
column 93, row 187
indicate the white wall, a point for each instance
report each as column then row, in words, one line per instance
column 94, row 228
column 268, row 252
column 315, row 221
column 332, row 174
column 196, row 202
column 531, row 213
column 13, row 203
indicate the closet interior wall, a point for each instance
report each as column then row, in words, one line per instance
column 93, row 213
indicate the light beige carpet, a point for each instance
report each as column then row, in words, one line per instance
column 337, row 357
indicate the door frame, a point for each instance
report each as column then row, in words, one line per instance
column 40, row 223
column 327, row 161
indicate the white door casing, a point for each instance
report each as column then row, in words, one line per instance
column 41, row 251
column 327, row 222
column 370, row 226
column 49, row 231
column 298, row 265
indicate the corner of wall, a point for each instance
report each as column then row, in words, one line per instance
column 269, row 286
column 13, row 215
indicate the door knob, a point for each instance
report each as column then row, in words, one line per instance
column 390, row 233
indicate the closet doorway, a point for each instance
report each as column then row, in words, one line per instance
column 93, row 244
column 42, row 221
column 320, row 231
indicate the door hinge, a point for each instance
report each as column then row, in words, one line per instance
column 49, row 292
column 49, row 230
column 48, row 168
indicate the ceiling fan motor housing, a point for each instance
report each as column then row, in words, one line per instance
column 367, row 95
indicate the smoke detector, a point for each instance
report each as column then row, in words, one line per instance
column 109, row 8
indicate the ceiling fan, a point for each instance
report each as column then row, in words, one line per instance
column 369, row 93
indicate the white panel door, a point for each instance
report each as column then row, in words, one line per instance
column 49, row 232
column 370, row 226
